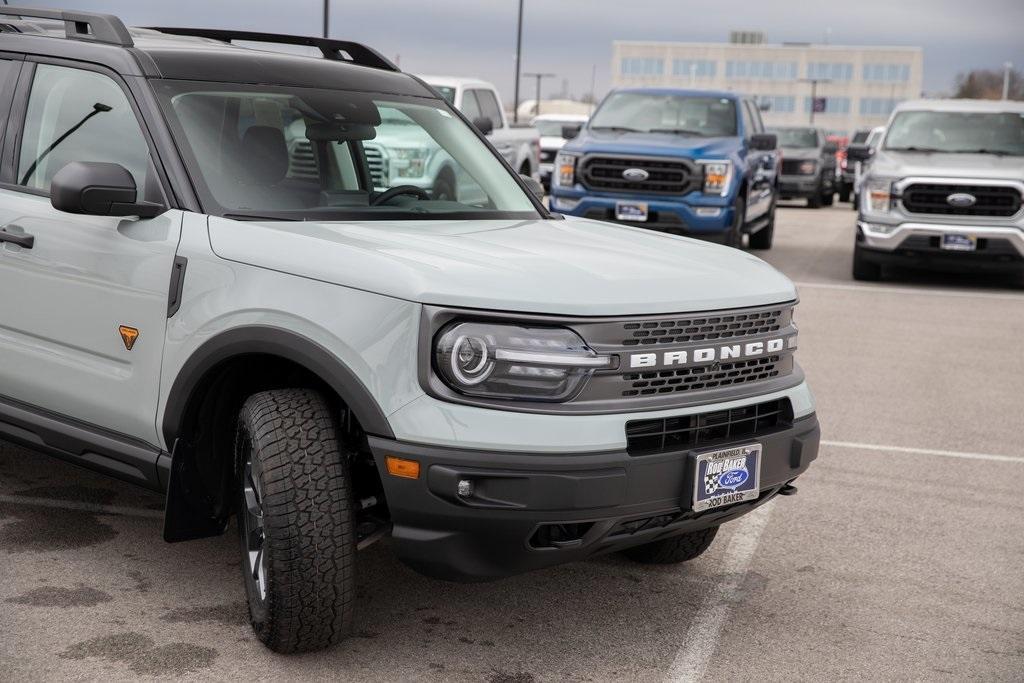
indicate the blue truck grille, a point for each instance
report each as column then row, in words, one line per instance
column 664, row 176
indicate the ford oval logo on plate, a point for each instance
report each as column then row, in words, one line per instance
column 732, row 478
column 961, row 200
column 636, row 175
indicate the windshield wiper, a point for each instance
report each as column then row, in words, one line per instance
column 255, row 217
column 983, row 150
column 678, row 131
column 617, row 129
column 913, row 148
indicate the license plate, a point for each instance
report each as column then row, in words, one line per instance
column 727, row 476
column 631, row 211
column 957, row 242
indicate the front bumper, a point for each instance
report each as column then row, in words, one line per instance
column 695, row 214
column 918, row 244
column 523, row 503
column 791, row 186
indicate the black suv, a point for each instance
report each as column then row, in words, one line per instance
column 808, row 165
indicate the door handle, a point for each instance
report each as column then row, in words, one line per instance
column 22, row 239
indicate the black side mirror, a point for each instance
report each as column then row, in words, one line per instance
column 830, row 148
column 98, row 189
column 572, row 131
column 859, row 153
column 484, row 124
column 764, row 142
column 534, row 185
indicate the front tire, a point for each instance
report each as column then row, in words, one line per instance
column 864, row 270
column 296, row 521
column 844, row 193
column 734, row 236
column 673, row 550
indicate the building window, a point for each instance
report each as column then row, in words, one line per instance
column 694, row 68
column 642, row 66
column 778, row 104
column 768, row 71
column 887, row 73
column 833, row 105
column 832, row 71
column 877, row 106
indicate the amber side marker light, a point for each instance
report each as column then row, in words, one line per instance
column 399, row 467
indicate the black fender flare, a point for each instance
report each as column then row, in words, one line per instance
column 264, row 339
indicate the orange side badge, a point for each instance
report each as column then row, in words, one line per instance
column 128, row 336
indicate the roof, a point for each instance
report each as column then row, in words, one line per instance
column 980, row 106
column 154, row 54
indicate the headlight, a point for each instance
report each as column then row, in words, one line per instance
column 716, row 177
column 877, row 194
column 515, row 362
column 807, row 167
column 565, row 169
column 408, row 162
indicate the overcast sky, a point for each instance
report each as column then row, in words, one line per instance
column 569, row 37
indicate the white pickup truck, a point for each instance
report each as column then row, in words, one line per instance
column 480, row 102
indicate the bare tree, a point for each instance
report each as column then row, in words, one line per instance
column 987, row 84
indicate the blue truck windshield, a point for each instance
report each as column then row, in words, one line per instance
column 660, row 113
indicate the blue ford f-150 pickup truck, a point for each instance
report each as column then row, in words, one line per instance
column 686, row 162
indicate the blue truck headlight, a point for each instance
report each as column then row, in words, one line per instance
column 515, row 362
column 717, row 175
column 565, row 169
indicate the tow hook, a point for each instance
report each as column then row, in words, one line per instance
column 788, row 490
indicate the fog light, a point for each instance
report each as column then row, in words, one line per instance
column 708, row 212
column 559, row 204
column 465, row 488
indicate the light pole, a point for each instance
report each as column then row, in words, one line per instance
column 1007, row 67
column 539, row 77
column 519, row 54
column 814, row 91
column 327, row 11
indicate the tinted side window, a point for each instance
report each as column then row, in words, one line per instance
column 470, row 106
column 489, row 106
column 76, row 115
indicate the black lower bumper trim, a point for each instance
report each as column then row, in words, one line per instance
column 527, row 511
column 937, row 259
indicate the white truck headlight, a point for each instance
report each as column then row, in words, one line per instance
column 807, row 167
column 514, row 362
column 565, row 169
column 716, row 177
column 877, row 194
column 408, row 162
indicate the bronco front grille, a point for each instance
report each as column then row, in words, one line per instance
column 666, row 435
column 703, row 328
column 990, row 200
column 706, row 377
column 664, row 176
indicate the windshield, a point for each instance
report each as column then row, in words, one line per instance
column 678, row 114
column 959, row 132
column 859, row 137
column 551, row 128
column 797, row 138
column 289, row 153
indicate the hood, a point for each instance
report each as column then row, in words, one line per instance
column 663, row 144
column 800, row 153
column 565, row 267
column 938, row 164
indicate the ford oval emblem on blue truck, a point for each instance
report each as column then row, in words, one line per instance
column 636, row 175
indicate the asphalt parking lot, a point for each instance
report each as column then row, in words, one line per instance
column 902, row 556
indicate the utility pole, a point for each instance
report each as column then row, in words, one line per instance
column 814, row 91
column 519, row 55
column 327, row 13
column 539, row 77
column 1007, row 67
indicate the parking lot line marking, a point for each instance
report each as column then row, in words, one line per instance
column 958, row 293
column 82, row 507
column 925, row 451
column 692, row 659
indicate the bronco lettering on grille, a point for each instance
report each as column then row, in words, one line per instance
column 708, row 354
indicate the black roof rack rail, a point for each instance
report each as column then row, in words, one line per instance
column 99, row 28
column 331, row 49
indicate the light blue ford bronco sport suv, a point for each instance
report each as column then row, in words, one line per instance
column 219, row 296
